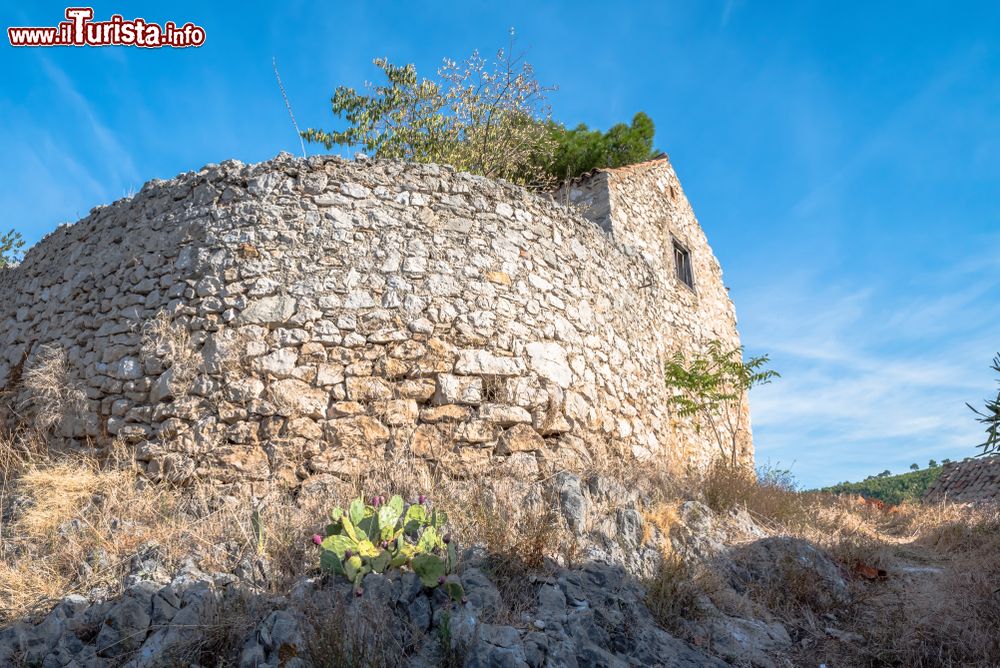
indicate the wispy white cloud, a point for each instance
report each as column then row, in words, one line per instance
column 116, row 160
column 871, row 378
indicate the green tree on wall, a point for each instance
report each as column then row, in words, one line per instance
column 480, row 116
column 484, row 117
column 581, row 149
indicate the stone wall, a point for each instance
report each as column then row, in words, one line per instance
column 643, row 208
column 971, row 480
column 275, row 321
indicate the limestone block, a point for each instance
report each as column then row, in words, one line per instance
column 237, row 462
column 295, row 397
column 280, row 363
column 429, row 442
column 356, row 434
column 519, row 438
column 243, row 390
column 549, row 361
column 269, row 311
column 422, row 389
column 485, row 363
column 164, row 388
column 476, row 431
column 504, row 415
column 521, row 465
column 396, row 412
column 128, row 368
column 345, row 409
column 368, row 388
column 329, row 374
column 445, row 413
column 453, row 389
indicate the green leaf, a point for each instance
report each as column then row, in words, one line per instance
column 368, row 525
column 349, row 529
column 440, row 519
column 352, row 566
column 416, row 517
column 367, row 549
column 388, row 514
column 339, row 544
column 381, row 562
column 331, row 563
column 453, row 587
column 428, row 540
column 396, row 503
column 336, row 514
column 416, row 513
column 357, row 511
column 428, row 568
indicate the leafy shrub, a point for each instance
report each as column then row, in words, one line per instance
column 711, row 388
column 11, row 244
column 386, row 535
column 481, row 117
column 488, row 118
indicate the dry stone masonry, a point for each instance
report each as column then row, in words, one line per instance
column 972, row 480
column 252, row 324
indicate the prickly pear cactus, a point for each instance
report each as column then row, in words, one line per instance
column 389, row 534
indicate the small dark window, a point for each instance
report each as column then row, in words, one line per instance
column 682, row 264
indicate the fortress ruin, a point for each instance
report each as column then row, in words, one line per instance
column 253, row 324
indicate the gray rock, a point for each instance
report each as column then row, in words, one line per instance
column 125, row 628
column 789, row 565
column 269, row 311
column 496, row 647
column 572, row 502
column 482, row 593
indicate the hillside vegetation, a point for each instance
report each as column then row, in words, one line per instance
column 892, row 489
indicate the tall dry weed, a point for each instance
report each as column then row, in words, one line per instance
column 52, row 394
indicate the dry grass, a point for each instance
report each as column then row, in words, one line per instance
column 72, row 523
column 170, row 342
column 519, row 530
column 52, row 394
column 938, row 604
column 675, row 593
column 343, row 636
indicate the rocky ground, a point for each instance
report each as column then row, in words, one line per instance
column 588, row 611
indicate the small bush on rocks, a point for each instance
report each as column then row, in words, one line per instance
column 386, row 535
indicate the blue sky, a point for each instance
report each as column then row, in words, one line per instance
column 843, row 158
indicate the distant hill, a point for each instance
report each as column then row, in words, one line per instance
column 908, row 486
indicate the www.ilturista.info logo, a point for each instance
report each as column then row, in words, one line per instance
column 80, row 30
